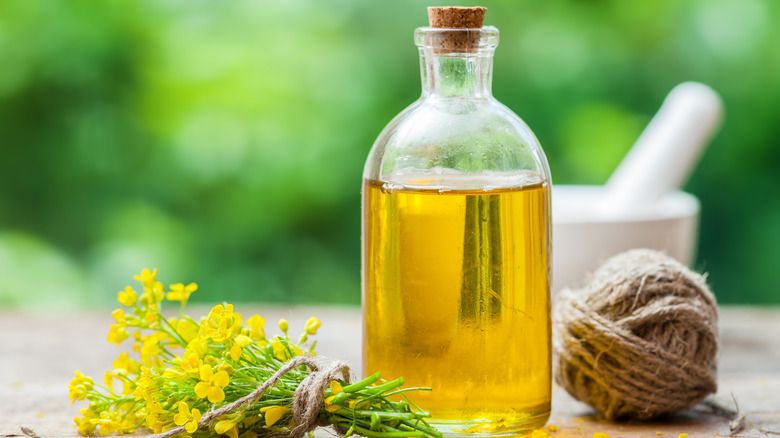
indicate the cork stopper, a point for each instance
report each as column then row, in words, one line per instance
column 457, row 17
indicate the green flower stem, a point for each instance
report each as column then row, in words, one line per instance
column 165, row 350
column 400, row 428
column 384, row 387
column 384, row 414
column 105, row 388
column 423, row 427
column 401, row 391
column 357, row 386
column 173, row 333
column 251, row 350
column 400, row 434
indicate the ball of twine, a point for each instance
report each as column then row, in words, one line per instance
column 640, row 340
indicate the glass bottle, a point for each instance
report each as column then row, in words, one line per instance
column 456, row 247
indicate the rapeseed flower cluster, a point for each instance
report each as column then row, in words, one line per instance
column 181, row 368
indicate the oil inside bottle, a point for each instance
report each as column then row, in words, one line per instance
column 456, row 297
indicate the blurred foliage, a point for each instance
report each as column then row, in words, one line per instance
column 223, row 142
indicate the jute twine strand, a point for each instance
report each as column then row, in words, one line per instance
column 309, row 395
column 640, row 340
column 306, row 402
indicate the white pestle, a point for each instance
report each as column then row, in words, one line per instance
column 666, row 152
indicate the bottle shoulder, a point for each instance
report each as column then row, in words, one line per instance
column 463, row 135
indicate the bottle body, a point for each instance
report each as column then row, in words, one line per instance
column 456, row 251
column 456, row 287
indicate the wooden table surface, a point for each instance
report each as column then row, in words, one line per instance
column 38, row 354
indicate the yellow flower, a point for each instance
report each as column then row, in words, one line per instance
column 116, row 334
column 336, row 389
column 273, row 414
column 151, row 315
column 600, row 435
column 280, row 350
column 211, row 384
column 154, row 406
column 312, row 325
column 129, row 425
column 126, row 365
column 331, row 407
column 173, row 373
column 256, row 324
column 219, row 332
column 142, row 384
column 147, row 278
column 180, row 292
column 150, row 349
column 119, row 317
column 185, row 417
column 152, row 295
column 209, row 363
column 79, row 386
column 220, row 312
column 241, row 341
column 158, row 291
column 127, row 387
column 128, row 297
column 108, row 379
column 199, row 346
column 237, row 319
column 191, row 363
column 84, row 424
column 226, row 367
column 109, row 422
column 223, row 426
column 233, row 433
column 188, row 330
column 154, row 422
column 221, row 323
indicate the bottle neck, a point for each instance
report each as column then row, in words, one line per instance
column 458, row 75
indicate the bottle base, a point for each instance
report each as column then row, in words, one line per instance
column 492, row 427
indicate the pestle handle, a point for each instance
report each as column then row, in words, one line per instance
column 668, row 149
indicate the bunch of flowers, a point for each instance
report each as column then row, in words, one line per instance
column 183, row 371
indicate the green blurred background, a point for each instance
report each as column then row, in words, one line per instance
column 223, row 142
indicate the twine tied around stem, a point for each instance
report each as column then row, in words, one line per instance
column 306, row 401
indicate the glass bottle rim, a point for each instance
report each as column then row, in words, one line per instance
column 441, row 39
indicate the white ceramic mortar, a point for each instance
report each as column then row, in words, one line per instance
column 583, row 237
column 640, row 206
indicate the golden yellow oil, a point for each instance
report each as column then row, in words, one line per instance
column 456, row 298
